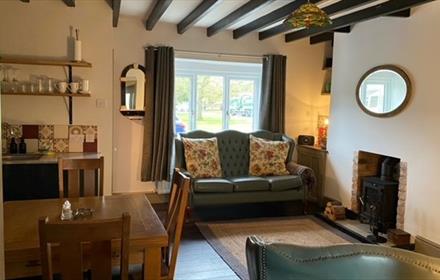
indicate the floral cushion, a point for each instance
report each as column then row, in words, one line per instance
column 267, row 157
column 202, row 157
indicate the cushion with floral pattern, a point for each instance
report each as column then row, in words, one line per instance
column 202, row 157
column 267, row 157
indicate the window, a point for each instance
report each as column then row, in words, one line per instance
column 216, row 95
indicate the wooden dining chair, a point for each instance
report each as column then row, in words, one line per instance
column 175, row 220
column 178, row 202
column 82, row 177
column 73, row 236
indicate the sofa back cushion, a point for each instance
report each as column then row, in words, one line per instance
column 202, row 157
column 233, row 149
column 267, row 157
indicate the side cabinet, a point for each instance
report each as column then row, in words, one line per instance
column 30, row 181
column 315, row 158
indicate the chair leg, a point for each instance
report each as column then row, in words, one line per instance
column 306, row 207
column 187, row 214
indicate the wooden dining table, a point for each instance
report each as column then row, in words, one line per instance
column 22, row 255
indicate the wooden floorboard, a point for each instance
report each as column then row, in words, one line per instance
column 197, row 259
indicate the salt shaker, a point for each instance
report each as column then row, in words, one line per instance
column 66, row 213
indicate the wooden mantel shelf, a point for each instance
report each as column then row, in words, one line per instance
column 48, row 94
column 43, row 61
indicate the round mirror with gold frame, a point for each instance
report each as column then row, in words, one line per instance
column 383, row 91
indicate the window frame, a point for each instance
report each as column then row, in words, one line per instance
column 227, row 78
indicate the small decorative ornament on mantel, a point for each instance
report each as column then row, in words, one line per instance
column 308, row 15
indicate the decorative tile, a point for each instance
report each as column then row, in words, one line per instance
column 61, row 132
column 90, row 131
column 61, row 145
column 90, row 147
column 76, row 143
column 75, row 130
column 5, row 130
column 15, row 130
column 45, row 131
column 31, row 145
column 45, row 145
column 30, row 131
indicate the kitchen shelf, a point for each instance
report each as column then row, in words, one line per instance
column 42, row 61
column 48, row 94
column 28, row 60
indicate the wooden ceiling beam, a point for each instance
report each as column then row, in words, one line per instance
column 328, row 36
column 270, row 18
column 386, row 8
column 69, row 3
column 156, row 13
column 116, row 6
column 404, row 14
column 235, row 16
column 198, row 13
column 324, row 37
column 330, row 10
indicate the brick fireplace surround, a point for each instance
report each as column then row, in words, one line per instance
column 367, row 164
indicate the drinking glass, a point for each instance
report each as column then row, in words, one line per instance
column 14, row 84
column 5, row 78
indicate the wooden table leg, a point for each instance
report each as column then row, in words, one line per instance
column 152, row 263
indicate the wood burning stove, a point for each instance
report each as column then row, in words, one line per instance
column 379, row 204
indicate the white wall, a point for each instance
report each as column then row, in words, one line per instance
column 41, row 28
column 304, row 83
column 414, row 134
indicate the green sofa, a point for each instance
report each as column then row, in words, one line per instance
column 236, row 186
column 351, row 262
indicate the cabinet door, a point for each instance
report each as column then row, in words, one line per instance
column 30, row 181
column 314, row 159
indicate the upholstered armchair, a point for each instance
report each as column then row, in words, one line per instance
column 351, row 261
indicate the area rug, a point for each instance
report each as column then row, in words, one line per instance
column 228, row 238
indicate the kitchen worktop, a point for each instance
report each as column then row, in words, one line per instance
column 48, row 158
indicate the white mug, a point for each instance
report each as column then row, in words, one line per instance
column 84, row 86
column 73, row 87
column 49, row 85
column 61, row 87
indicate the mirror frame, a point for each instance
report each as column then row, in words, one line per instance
column 131, row 114
column 399, row 109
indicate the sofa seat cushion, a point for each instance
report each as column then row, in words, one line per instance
column 249, row 184
column 213, row 185
column 284, row 183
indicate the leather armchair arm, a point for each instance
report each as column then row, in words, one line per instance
column 305, row 173
column 347, row 261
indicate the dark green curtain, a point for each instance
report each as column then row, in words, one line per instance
column 158, row 120
column 273, row 93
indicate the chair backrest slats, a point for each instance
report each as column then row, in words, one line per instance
column 73, row 237
column 77, row 169
column 176, row 218
column 71, row 261
column 101, row 260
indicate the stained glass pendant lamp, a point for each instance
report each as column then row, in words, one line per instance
column 308, row 15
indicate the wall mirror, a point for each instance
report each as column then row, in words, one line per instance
column 133, row 91
column 383, row 91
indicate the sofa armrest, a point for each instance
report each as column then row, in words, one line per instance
column 306, row 174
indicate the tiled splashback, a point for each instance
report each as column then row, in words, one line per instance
column 52, row 138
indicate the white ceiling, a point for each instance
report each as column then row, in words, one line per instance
column 179, row 9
